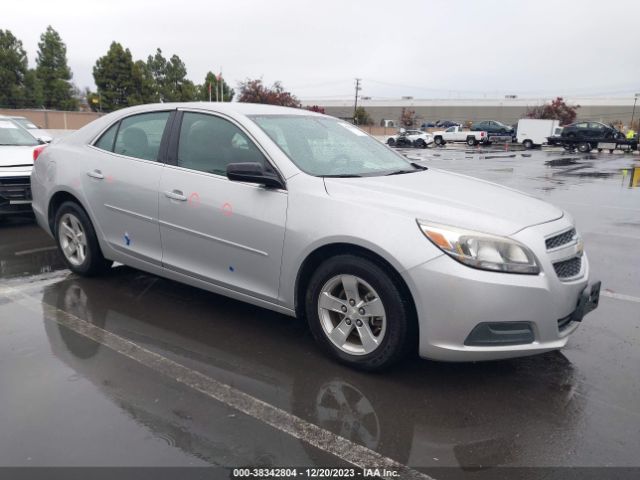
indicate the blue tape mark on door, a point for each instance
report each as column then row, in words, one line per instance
column 127, row 239
column 231, row 269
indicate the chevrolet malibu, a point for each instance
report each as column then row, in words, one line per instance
column 307, row 215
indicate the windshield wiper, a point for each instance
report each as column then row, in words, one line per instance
column 400, row 172
column 343, row 175
column 418, row 168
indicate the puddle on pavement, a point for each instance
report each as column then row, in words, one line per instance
column 561, row 162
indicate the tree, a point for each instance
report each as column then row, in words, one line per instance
column 211, row 81
column 117, row 80
column 144, row 90
column 253, row 91
column 407, row 118
column 556, row 110
column 33, row 90
column 316, row 108
column 13, row 68
column 54, row 73
column 169, row 79
column 362, row 117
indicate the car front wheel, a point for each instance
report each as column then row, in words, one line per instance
column 357, row 313
column 77, row 241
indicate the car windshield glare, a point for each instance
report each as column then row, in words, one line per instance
column 322, row 146
column 12, row 134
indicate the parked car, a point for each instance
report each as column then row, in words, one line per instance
column 591, row 130
column 34, row 130
column 533, row 132
column 492, row 127
column 16, row 162
column 457, row 134
column 427, row 125
column 446, row 124
column 309, row 216
column 410, row 138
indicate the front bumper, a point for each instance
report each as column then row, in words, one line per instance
column 15, row 195
column 453, row 299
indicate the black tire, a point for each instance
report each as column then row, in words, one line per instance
column 584, row 147
column 391, row 142
column 420, row 143
column 439, row 140
column 94, row 262
column 401, row 326
column 471, row 141
column 527, row 144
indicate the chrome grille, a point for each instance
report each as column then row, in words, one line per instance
column 560, row 239
column 15, row 188
column 568, row 268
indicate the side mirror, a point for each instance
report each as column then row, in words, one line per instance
column 253, row 172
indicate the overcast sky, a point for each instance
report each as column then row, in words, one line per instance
column 426, row 49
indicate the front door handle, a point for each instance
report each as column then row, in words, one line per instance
column 176, row 195
column 96, row 174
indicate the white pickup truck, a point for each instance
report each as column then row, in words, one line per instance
column 457, row 134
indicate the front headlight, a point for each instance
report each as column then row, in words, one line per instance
column 481, row 250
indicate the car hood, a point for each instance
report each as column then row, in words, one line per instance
column 16, row 159
column 447, row 198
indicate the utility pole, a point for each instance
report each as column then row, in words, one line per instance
column 355, row 105
column 633, row 114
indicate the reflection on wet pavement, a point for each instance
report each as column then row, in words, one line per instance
column 536, row 410
column 25, row 249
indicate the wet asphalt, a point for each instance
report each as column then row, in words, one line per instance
column 70, row 401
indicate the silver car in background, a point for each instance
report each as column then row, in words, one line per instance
column 41, row 134
column 307, row 215
column 17, row 147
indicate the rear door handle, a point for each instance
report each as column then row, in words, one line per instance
column 96, row 174
column 176, row 195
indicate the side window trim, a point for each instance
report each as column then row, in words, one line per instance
column 174, row 139
column 166, row 135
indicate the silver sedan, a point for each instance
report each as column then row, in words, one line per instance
column 307, row 215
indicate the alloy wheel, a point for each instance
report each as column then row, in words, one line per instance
column 73, row 240
column 352, row 314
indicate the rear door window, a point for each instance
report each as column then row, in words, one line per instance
column 139, row 136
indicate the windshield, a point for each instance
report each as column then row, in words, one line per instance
column 326, row 147
column 12, row 134
column 25, row 123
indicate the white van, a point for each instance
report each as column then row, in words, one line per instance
column 533, row 132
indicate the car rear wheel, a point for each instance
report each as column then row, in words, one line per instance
column 471, row 141
column 357, row 313
column 420, row 143
column 527, row 144
column 77, row 241
column 391, row 142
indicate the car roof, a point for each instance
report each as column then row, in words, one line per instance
column 225, row 107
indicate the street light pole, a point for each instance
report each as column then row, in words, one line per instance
column 355, row 105
column 633, row 114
